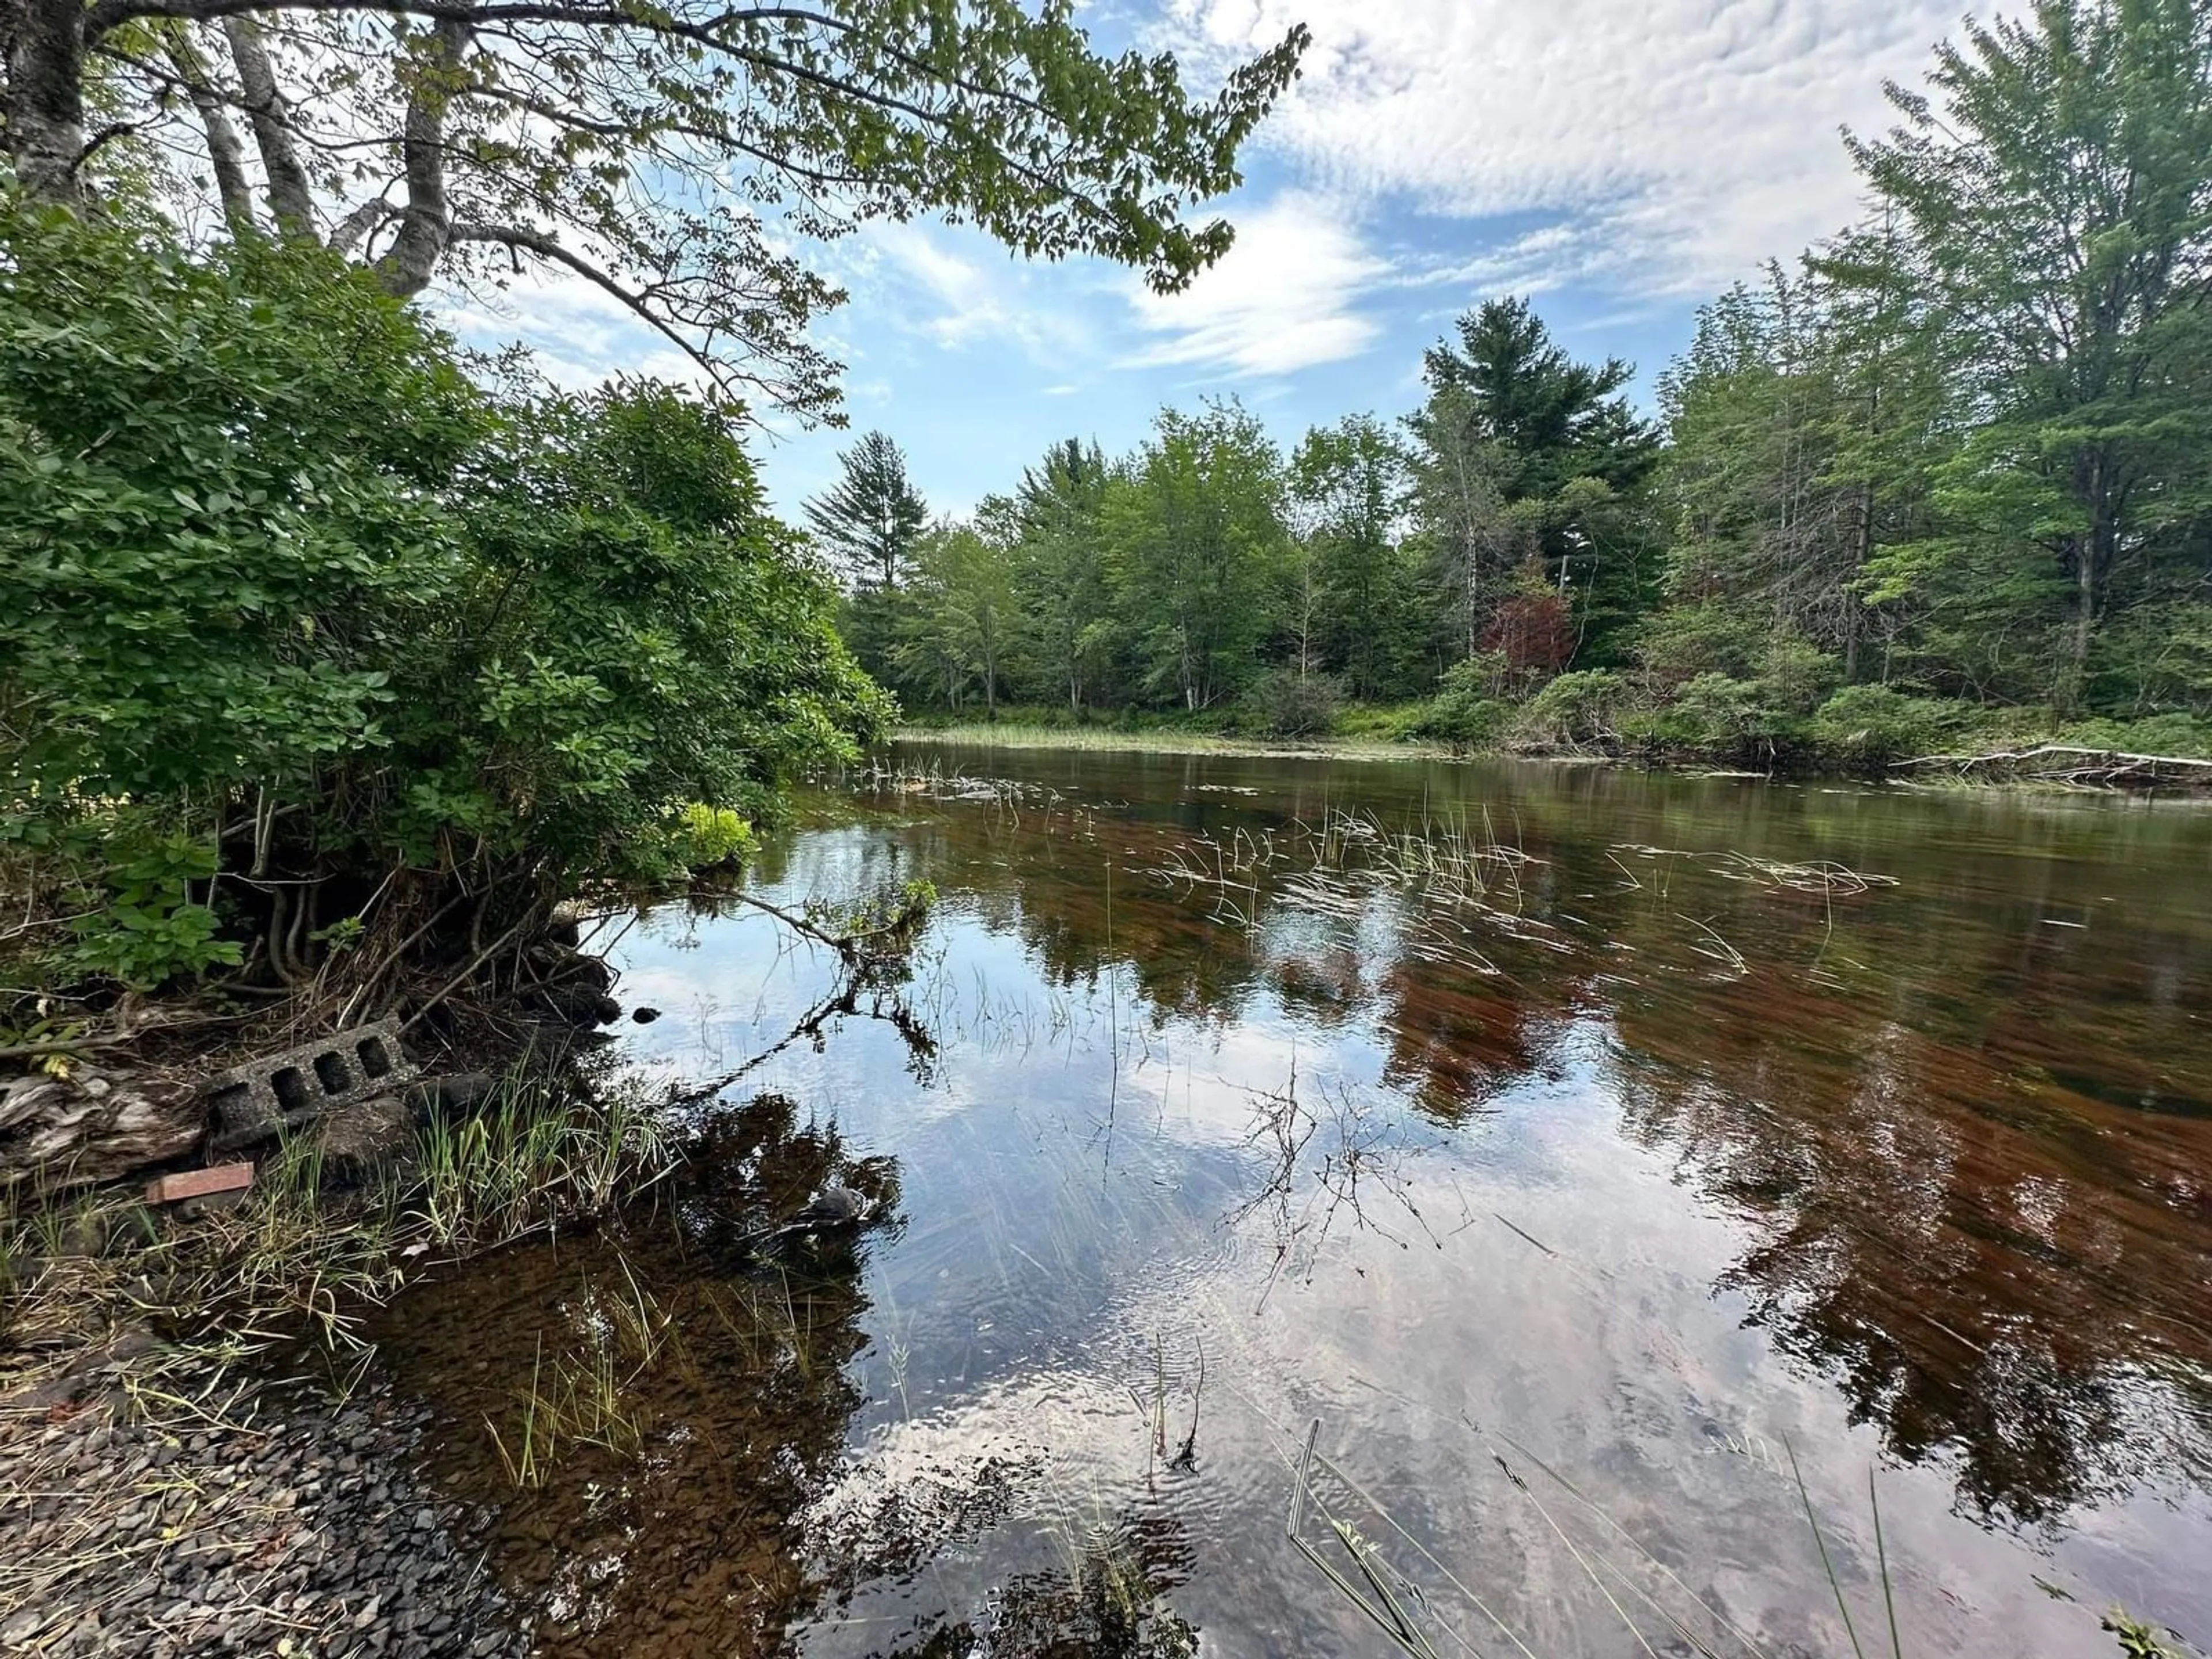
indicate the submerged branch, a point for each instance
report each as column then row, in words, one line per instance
column 2070, row 764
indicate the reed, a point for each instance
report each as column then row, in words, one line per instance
column 293, row 1260
column 1622, row 1571
column 585, row 1398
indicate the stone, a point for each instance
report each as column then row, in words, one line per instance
column 22, row 1627
column 577, row 1003
column 455, row 1093
column 357, row 1141
column 288, row 1090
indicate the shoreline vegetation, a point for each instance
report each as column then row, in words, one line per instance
column 347, row 666
column 1937, row 486
column 2017, row 759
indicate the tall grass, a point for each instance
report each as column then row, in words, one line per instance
column 528, row 1160
column 293, row 1260
column 584, row 1399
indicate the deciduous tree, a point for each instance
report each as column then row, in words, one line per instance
column 670, row 155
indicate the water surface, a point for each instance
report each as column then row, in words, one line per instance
column 1660, row 1156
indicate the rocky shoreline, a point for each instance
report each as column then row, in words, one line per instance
column 264, row 1517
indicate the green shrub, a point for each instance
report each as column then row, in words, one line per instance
column 709, row 837
column 1795, row 676
column 1573, row 709
column 1466, row 714
column 2185, row 736
column 1288, row 704
column 283, row 583
column 1678, row 644
column 1717, row 714
column 129, row 895
column 2154, row 657
column 1875, row 725
column 1389, row 722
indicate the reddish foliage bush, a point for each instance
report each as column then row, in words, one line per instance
column 1533, row 632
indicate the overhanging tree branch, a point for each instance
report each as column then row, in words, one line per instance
column 637, row 302
column 682, row 143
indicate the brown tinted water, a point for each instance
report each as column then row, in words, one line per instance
column 1639, row 1157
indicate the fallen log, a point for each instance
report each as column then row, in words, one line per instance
column 2074, row 764
column 90, row 1127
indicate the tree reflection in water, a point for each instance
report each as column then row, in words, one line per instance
column 1963, row 1152
column 1970, row 1146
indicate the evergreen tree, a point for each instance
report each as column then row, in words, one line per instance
column 1553, row 420
column 1561, row 452
column 868, row 522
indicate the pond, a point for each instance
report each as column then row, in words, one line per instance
column 1600, row 1213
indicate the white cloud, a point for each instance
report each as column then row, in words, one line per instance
column 1680, row 142
column 935, row 290
column 577, row 332
column 1284, row 297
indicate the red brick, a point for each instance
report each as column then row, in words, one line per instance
column 199, row 1183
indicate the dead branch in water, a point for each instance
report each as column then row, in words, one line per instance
column 2072, row 764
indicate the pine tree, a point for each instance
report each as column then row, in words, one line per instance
column 870, row 519
column 869, row 522
column 1533, row 454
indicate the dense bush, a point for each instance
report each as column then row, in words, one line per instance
column 2157, row 659
column 1873, row 725
column 1466, row 713
column 306, row 630
column 1574, row 709
column 2159, row 734
column 1288, row 704
column 1712, row 637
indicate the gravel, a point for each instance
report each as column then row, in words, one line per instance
column 260, row 1518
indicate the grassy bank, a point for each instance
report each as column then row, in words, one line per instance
column 1865, row 736
column 1165, row 738
column 297, row 1257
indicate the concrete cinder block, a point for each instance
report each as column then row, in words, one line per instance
column 199, row 1183
column 286, row 1091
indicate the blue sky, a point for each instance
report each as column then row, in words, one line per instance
column 1619, row 161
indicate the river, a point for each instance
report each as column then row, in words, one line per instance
column 1626, row 1213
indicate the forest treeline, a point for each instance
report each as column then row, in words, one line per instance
column 1941, row 481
